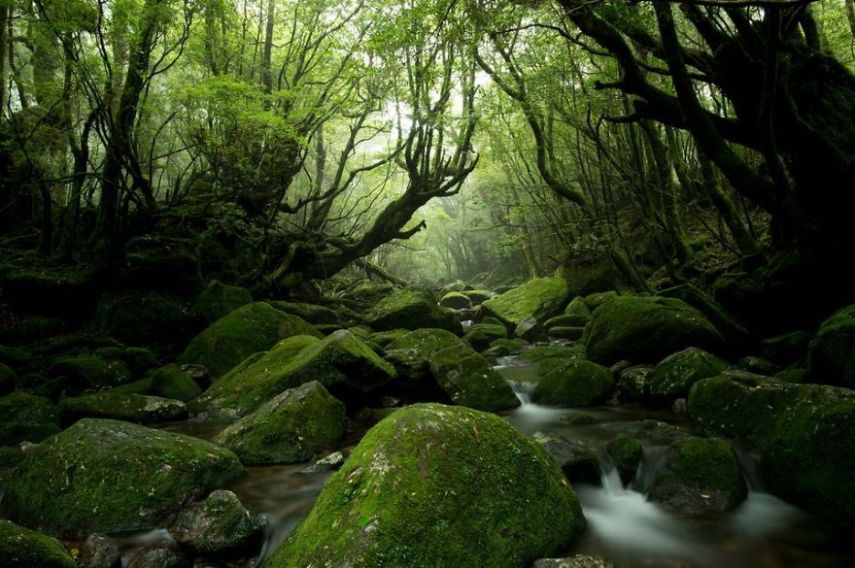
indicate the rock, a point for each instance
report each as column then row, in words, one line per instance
column 541, row 353
column 578, row 462
column 481, row 335
column 568, row 333
column 645, row 329
column 411, row 308
column 803, row 434
column 139, row 360
column 577, row 561
column 312, row 313
column 15, row 357
column 456, row 301
column 732, row 329
column 757, row 365
column 794, row 375
column 145, row 317
column 332, row 462
column 469, row 380
column 478, row 297
column 290, row 428
column 7, row 379
column 22, row 548
column 525, row 307
column 563, row 320
column 340, row 362
column 505, row 347
column 25, row 417
column 218, row 526
column 49, row 290
column 84, row 372
column 158, row 555
column 171, row 382
column 627, row 454
column 386, row 338
column 111, row 476
column 410, row 354
column 440, row 486
column 32, row 328
column 700, row 476
column 653, row 431
column 674, row 375
column 575, row 383
column 131, row 407
column 247, row 330
column 99, row 551
column 577, row 312
column 218, row 300
column 597, row 299
column 790, row 348
column 831, row 360
column 589, row 272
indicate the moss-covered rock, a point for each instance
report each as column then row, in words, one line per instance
column 455, row 301
column 339, row 362
column 577, row 561
column 291, row 428
column 132, row 407
column 441, row 486
column 578, row 462
column 411, row 353
column 597, row 299
column 505, row 347
column 525, row 307
column 674, row 375
column 171, row 382
column 790, row 348
column 831, row 360
column 247, row 330
column 540, row 353
column 7, row 379
column 412, row 308
column 577, row 312
column 145, row 317
column 15, row 357
column 111, row 476
column 469, row 380
column 632, row 383
column 22, row 548
column 386, row 338
column 803, row 434
column 99, row 551
column 566, row 332
column 700, row 476
column 481, row 335
column 312, row 313
column 31, row 328
column 626, row 453
column 575, row 383
column 478, row 297
column 218, row 526
column 84, row 372
column 645, row 329
column 25, row 417
column 139, row 360
column 218, row 300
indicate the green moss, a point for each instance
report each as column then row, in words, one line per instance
column 433, row 485
column 309, row 312
column 700, row 476
column 7, row 379
column 145, row 317
column 674, row 376
column 291, row 428
column 597, row 299
column 505, row 347
column 831, row 360
column 536, row 300
column 132, row 407
column 575, row 383
column 469, row 380
column 24, row 417
column 626, row 454
column 31, row 329
column 111, row 476
column 247, row 330
column 219, row 525
column 566, row 332
column 218, row 300
column 633, row 382
column 786, row 349
column 171, row 382
column 14, row 357
column 481, row 335
column 411, row 353
column 22, row 548
column 478, row 297
column 411, row 308
column 543, row 352
column 91, row 372
column 139, row 360
column 577, row 311
column 644, row 329
column 386, row 338
column 455, row 301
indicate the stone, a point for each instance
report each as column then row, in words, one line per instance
column 412, row 308
column 22, row 548
column 578, row 462
column 831, row 360
column 575, row 383
column 632, row 383
column 172, row 382
column 478, row 297
column 218, row 526
column 131, row 407
column 83, row 372
column 626, row 454
column 160, row 555
column 26, row 417
column 577, row 312
column 526, row 307
column 786, row 349
column 217, row 300
column 481, row 335
column 469, row 380
column 99, row 551
column 577, row 561
column 455, row 301
column 674, row 375
column 7, row 379
column 332, row 462
column 312, row 313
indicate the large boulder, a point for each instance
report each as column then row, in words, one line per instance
column 291, row 428
column 412, row 308
column 26, row 417
column 574, row 383
column 218, row 526
column 831, row 360
column 455, row 301
column 83, row 372
column 433, row 485
column 218, row 300
column 22, row 548
column 411, row 353
column 340, row 362
column 481, row 335
column 523, row 308
column 111, row 476
column 132, row 407
column 803, row 434
column 312, row 313
column 244, row 331
column 171, row 381
column 644, row 329
column 700, row 476
column 469, row 380
column 674, row 375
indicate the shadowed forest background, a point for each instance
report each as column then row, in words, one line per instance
column 559, row 185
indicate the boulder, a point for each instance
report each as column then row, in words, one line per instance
column 26, row 418
column 99, row 551
column 566, row 332
column 577, row 312
column 505, row 347
column 332, row 462
column 312, row 313
column 111, row 476
column 469, row 380
column 290, row 428
column 218, row 526
column 162, row 554
column 455, row 301
column 803, row 434
column 674, row 375
column 412, row 308
column 700, row 476
column 481, row 335
column 786, row 349
column 577, row 561
column 632, row 383
column 15, row 357
column 22, row 548
column 578, row 462
column 574, row 383
column 831, row 360
column 478, row 297
column 410, row 353
column 172, row 382
column 525, row 307
column 131, row 407
column 340, row 362
column 626, row 453
column 218, row 300
column 247, row 330
column 145, row 317
column 645, row 329
column 83, row 372
column 433, row 485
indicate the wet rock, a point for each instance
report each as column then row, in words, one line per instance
column 455, row 301
column 99, row 551
column 290, row 428
column 158, row 555
column 577, row 561
column 794, row 375
column 218, row 300
column 385, row 338
column 469, row 380
column 526, row 307
column 700, row 476
column 132, row 407
column 412, row 308
column 674, row 375
column 218, row 526
column 575, row 383
column 425, row 484
column 578, row 462
column 332, row 462
column 25, row 417
column 172, row 382
column 831, row 360
column 627, row 454
column 579, row 419
column 111, row 476
column 244, row 331
column 22, row 548
column 481, row 335
column 645, row 329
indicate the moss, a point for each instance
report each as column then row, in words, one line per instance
column 481, row 335
column 411, row 353
column 831, row 360
column 219, row 525
column 218, row 300
column 700, row 476
column 674, row 376
column 24, row 417
column 433, row 485
column 386, row 338
column 14, row 356
column 145, row 317
column 478, row 297
column 340, row 359
column 22, row 548
column 626, row 454
column 505, row 347
column 469, row 380
column 577, row 311
column 310, row 312
column 566, row 332
column 247, row 330
column 644, row 329
column 633, row 382
column 139, row 360
column 291, row 428
column 786, row 349
column 32, row 328
column 536, row 300
column 411, row 308
column 573, row 384
column 543, row 352
column 597, row 299
column 7, row 379
column 91, row 372
column 455, row 301
column 111, row 476
column 576, row 561
column 171, row 382
column 132, row 407
column 803, row 433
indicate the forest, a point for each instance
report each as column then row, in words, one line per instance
column 449, row 283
